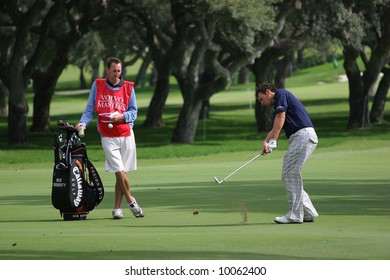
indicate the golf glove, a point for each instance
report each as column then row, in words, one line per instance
column 272, row 144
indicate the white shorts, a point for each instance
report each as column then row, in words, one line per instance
column 121, row 153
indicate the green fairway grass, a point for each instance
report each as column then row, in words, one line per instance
column 349, row 187
column 347, row 179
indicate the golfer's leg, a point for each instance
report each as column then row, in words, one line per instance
column 308, row 207
column 293, row 181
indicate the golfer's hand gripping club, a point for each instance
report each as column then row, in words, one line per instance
column 271, row 145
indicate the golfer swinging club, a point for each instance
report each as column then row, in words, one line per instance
column 291, row 115
column 113, row 100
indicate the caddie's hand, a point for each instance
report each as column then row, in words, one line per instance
column 117, row 117
column 78, row 126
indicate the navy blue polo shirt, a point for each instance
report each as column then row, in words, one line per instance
column 296, row 114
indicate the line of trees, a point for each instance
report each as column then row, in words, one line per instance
column 202, row 43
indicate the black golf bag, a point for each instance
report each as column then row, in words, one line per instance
column 77, row 187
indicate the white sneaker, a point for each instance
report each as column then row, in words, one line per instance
column 136, row 209
column 285, row 220
column 117, row 213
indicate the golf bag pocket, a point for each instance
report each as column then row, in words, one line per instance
column 60, row 188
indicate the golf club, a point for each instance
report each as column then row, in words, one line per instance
column 271, row 146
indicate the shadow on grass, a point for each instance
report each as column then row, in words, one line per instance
column 136, row 255
column 330, row 197
column 169, row 222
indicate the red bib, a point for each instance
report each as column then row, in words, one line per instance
column 109, row 101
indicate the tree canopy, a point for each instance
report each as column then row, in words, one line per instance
column 201, row 43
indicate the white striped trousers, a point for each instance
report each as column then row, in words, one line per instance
column 301, row 145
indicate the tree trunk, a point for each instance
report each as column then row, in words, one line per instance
column 41, row 116
column 205, row 110
column 185, row 129
column 83, row 82
column 140, row 79
column 284, row 70
column 358, row 100
column 262, row 69
column 264, row 117
column 380, row 59
column 44, row 87
column 20, row 65
column 18, row 110
column 243, row 76
column 3, row 96
column 153, row 77
column 154, row 116
column 378, row 106
column 95, row 70
column 300, row 57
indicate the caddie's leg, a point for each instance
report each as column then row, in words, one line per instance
column 118, row 196
column 124, row 183
column 123, row 186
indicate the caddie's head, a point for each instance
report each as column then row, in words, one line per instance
column 114, row 70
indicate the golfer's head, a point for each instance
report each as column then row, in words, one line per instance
column 265, row 94
column 114, row 70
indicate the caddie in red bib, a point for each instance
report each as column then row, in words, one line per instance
column 114, row 102
column 109, row 102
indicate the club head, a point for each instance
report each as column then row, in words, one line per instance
column 217, row 181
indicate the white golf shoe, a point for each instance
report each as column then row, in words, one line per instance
column 285, row 220
column 117, row 213
column 136, row 209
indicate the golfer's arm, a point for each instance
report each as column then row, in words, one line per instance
column 277, row 128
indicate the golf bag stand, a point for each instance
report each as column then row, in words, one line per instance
column 77, row 188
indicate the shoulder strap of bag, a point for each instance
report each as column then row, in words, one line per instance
column 94, row 180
